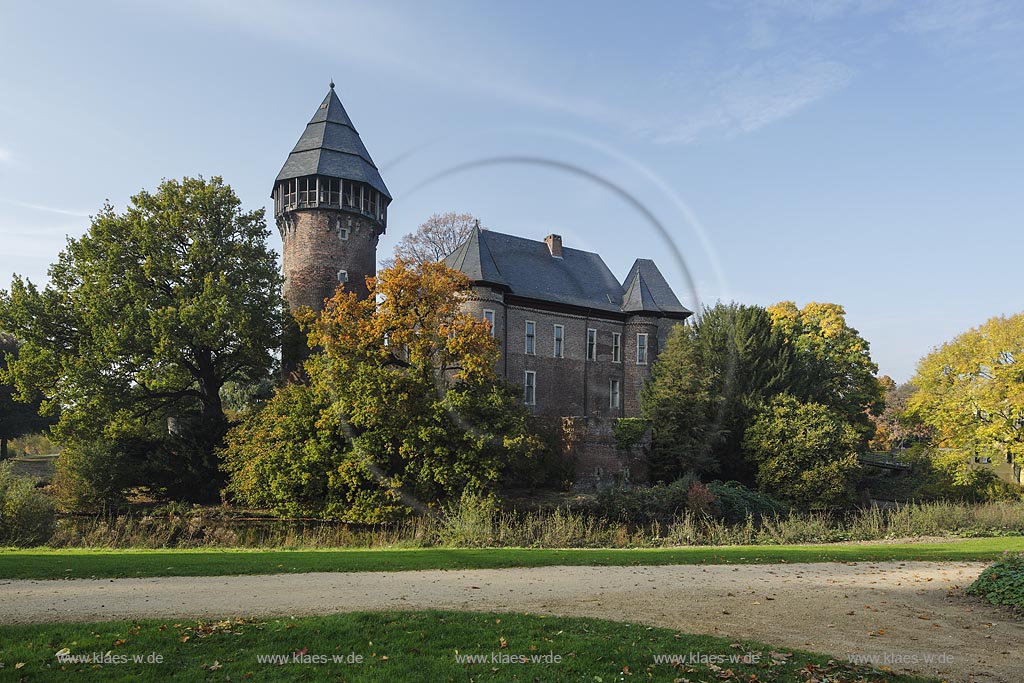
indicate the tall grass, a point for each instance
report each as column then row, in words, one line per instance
column 475, row 522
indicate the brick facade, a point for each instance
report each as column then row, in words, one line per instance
column 571, row 385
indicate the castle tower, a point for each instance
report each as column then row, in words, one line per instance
column 331, row 205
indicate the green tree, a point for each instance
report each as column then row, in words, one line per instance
column 17, row 418
column 971, row 389
column 403, row 410
column 805, row 453
column 832, row 362
column 147, row 316
column 712, row 376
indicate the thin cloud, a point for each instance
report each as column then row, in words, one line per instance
column 756, row 95
column 738, row 100
column 6, row 156
column 41, row 207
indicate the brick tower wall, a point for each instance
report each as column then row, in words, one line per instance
column 317, row 244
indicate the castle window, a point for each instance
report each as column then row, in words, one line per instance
column 349, row 192
column 288, row 188
column 342, row 231
column 613, row 393
column 489, row 317
column 591, row 344
column 342, row 276
column 330, row 191
column 531, row 337
column 641, row 348
column 559, row 335
column 616, row 347
column 530, row 388
column 307, row 191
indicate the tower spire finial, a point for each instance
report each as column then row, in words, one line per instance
column 332, row 84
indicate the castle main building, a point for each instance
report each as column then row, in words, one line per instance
column 578, row 341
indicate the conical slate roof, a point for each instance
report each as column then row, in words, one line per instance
column 638, row 296
column 648, row 291
column 330, row 146
column 473, row 258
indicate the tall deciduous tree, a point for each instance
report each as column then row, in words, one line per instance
column 412, row 413
column 149, row 314
column 832, row 362
column 434, row 239
column 971, row 389
column 17, row 418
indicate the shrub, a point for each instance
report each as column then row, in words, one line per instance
column 805, row 453
column 641, row 505
column 629, row 431
column 93, row 476
column 699, row 498
column 293, row 458
column 734, row 502
column 468, row 522
column 1002, row 583
column 27, row 515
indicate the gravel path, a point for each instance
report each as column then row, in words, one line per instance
column 897, row 609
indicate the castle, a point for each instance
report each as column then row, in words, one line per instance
column 579, row 342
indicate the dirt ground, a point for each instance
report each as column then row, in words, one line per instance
column 898, row 609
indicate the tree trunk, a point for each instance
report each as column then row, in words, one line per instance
column 3, row 448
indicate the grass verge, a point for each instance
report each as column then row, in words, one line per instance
column 406, row 646
column 58, row 564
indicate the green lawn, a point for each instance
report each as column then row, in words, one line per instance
column 405, row 646
column 56, row 564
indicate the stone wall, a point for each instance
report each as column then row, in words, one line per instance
column 597, row 459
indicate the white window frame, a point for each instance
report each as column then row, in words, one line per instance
column 641, row 336
column 616, row 347
column 614, row 394
column 342, row 276
column 530, row 338
column 591, row 348
column 530, row 387
column 558, row 341
column 489, row 317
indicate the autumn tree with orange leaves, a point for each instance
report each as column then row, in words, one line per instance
column 407, row 382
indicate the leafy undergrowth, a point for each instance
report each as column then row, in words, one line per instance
column 1003, row 582
column 407, row 646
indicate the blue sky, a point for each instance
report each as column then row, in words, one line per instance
column 866, row 152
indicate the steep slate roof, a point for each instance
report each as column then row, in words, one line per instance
column 580, row 278
column 647, row 290
column 330, row 146
column 473, row 257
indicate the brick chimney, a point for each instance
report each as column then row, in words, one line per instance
column 554, row 243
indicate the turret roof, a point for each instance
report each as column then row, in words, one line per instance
column 330, row 146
